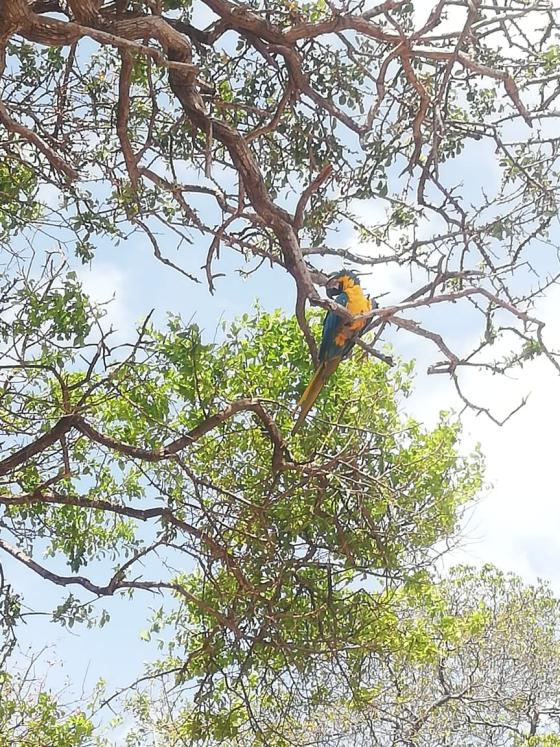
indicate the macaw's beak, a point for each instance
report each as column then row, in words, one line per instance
column 333, row 288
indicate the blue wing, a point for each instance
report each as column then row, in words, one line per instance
column 331, row 326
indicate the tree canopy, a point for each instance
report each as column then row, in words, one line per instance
column 293, row 575
column 490, row 677
column 32, row 715
column 276, row 552
column 269, row 128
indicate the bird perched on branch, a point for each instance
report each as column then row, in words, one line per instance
column 339, row 335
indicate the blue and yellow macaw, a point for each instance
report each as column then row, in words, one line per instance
column 339, row 335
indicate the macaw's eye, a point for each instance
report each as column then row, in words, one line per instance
column 334, row 287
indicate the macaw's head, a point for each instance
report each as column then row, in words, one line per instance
column 341, row 282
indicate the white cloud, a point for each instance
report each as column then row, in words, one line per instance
column 106, row 284
column 49, row 195
column 517, row 524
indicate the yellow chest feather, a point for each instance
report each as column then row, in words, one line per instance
column 358, row 303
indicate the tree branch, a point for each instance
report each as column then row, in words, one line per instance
column 58, row 163
column 77, row 422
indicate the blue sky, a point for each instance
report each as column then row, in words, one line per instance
column 516, row 522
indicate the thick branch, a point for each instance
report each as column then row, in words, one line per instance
column 165, row 514
column 68, row 422
column 116, row 583
column 54, row 159
column 312, row 187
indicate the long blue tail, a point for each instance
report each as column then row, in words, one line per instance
column 313, row 389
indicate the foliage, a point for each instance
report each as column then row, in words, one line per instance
column 18, row 190
column 492, row 678
column 291, row 133
column 33, row 717
column 294, row 570
column 278, row 552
